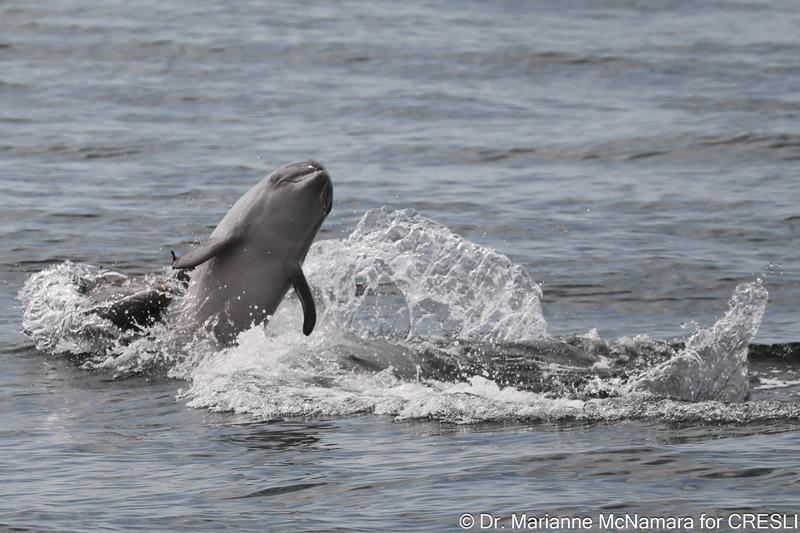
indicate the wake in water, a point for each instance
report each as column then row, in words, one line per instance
column 414, row 322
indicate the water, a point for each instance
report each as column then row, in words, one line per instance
column 620, row 166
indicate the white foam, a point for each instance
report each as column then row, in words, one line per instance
column 775, row 383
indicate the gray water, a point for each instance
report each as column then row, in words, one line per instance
column 637, row 159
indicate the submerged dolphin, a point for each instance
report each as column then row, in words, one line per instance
column 255, row 253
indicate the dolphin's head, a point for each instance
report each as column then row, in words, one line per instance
column 300, row 195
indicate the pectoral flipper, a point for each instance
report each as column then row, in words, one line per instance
column 203, row 252
column 303, row 292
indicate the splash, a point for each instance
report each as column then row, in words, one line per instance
column 402, row 275
column 56, row 308
column 582, row 378
column 414, row 322
column 713, row 366
column 71, row 309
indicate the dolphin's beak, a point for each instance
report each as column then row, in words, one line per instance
column 320, row 176
column 313, row 174
column 327, row 195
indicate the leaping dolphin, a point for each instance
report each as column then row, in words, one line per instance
column 256, row 252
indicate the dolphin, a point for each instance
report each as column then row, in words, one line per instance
column 245, row 268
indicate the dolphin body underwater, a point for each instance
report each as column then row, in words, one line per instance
column 245, row 268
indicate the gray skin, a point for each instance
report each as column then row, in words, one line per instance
column 255, row 254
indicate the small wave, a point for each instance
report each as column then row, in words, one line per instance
column 784, row 146
column 687, row 147
column 524, row 59
column 278, row 491
column 73, row 215
column 9, row 86
column 738, row 105
column 73, row 152
column 775, row 383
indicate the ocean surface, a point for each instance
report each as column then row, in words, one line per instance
column 553, row 224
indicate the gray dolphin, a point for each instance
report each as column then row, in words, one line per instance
column 256, row 252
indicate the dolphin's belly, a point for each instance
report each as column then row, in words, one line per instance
column 238, row 291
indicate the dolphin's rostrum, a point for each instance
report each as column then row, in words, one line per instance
column 255, row 254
